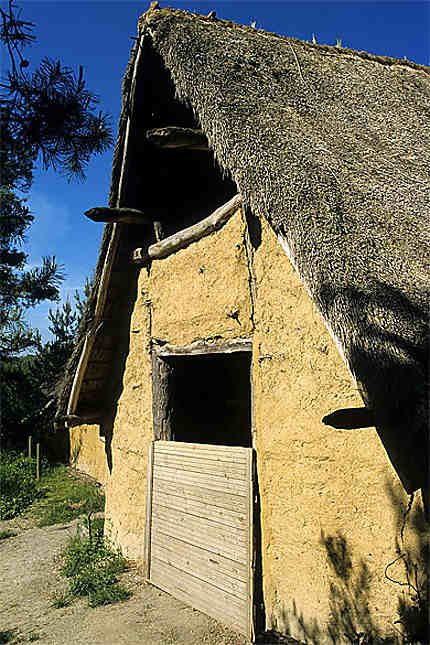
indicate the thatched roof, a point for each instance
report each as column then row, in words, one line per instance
column 332, row 147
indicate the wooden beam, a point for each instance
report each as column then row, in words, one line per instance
column 205, row 347
column 118, row 215
column 350, row 419
column 173, row 137
column 81, row 419
column 186, row 236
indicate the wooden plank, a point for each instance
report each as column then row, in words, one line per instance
column 203, row 480
column 218, row 596
column 223, row 457
column 224, row 566
column 201, row 595
column 215, row 540
column 214, row 467
column 204, row 448
column 202, row 509
column 186, row 558
column 250, row 545
column 221, row 499
column 204, row 529
column 149, row 496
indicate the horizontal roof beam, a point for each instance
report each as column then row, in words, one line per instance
column 120, row 215
column 186, row 236
column 173, row 137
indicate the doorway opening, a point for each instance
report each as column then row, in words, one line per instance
column 205, row 398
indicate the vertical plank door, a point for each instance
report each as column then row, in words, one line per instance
column 199, row 541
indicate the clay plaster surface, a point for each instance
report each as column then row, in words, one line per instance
column 320, row 488
column 87, row 451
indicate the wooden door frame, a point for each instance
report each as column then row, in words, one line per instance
column 161, row 372
column 161, row 414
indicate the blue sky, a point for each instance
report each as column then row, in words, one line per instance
column 97, row 35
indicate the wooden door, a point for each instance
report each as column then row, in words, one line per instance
column 199, row 538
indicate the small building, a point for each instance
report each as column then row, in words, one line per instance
column 250, row 380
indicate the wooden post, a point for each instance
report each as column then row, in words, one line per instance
column 148, row 519
column 38, row 461
column 29, row 447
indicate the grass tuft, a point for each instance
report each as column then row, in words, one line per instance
column 5, row 534
column 108, row 595
column 7, row 636
column 61, row 599
column 92, row 566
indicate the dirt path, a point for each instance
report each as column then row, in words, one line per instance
column 29, row 575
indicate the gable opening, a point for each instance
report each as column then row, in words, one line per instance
column 175, row 185
column 204, row 398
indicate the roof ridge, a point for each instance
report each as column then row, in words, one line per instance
column 155, row 11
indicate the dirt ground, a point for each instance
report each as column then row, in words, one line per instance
column 29, row 575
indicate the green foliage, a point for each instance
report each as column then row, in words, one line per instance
column 51, row 110
column 108, row 595
column 28, row 382
column 61, row 599
column 7, row 636
column 68, row 498
column 91, row 578
column 18, row 485
column 83, row 554
column 21, row 395
column 49, row 116
column 5, row 534
column 93, row 566
column 97, row 525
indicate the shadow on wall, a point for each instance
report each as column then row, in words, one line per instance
column 75, row 451
column 106, row 430
column 389, row 357
column 351, row 611
column 411, row 567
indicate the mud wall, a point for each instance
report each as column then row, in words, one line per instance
column 87, row 452
column 332, row 504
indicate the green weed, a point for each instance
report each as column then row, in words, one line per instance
column 91, row 578
column 7, row 636
column 61, row 599
column 93, row 566
column 34, row 637
column 68, row 498
column 18, row 484
column 108, row 595
column 6, row 534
